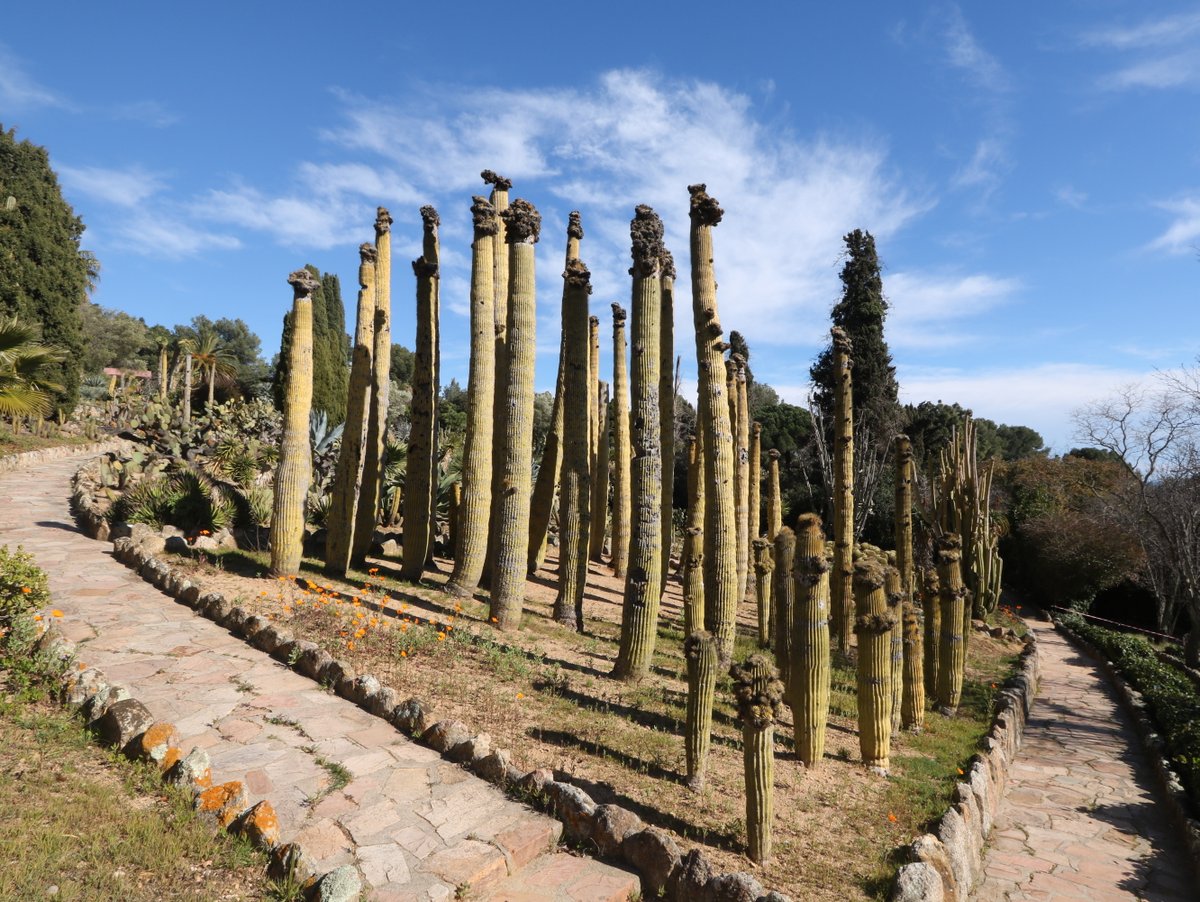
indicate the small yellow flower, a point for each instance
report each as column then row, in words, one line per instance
column 56, row 613
column 25, row 590
column 350, row 645
column 520, row 695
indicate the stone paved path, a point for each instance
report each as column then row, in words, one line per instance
column 417, row 827
column 1081, row 821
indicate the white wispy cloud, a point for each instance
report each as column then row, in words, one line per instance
column 1183, row 234
column 1175, row 71
column 1165, row 52
column 1071, row 196
column 147, row 112
column 964, row 52
column 166, row 235
column 19, row 90
column 1158, row 32
column 927, row 309
column 127, row 187
column 987, row 166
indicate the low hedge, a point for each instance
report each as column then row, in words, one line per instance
column 1170, row 695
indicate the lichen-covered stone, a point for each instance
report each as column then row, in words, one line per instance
column 271, row 638
column 446, row 734
column 97, row 704
column 193, row 769
column 494, row 767
column 79, row 686
column 610, row 825
column 471, row 749
column 221, row 805
column 189, row 595
column 688, row 881
column 154, row 744
column 289, row 860
column 412, row 716
column 918, row 882
column 339, row 885
column 384, row 702
column 654, row 854
column 260, row 825
column 364, row 690
column 735, row 887
column 123, row 722
column 574, row 807
column 336, row 671
column 929, row 849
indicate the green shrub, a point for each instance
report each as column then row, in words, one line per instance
column 1172, row 697
column 23, row 586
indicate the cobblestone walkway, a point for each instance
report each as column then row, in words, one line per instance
column 1081, row 821
column 417, row 827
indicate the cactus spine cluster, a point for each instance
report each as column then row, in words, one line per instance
column 347, row 484
column 621, row 509
column 522, row 225
column 471, row 551
column 420, row 479
column 720, row 529
column 692, row 558
column 841, row 581
column 783, row 601
column 760, row 699
column 764, row 567
column 774, row 497
column 666, row 409
column 809, row 669
column 295, row 454
column 575, row 502
column 700, row 652
column 952, row 651
column 639, row 615
column 873, row 625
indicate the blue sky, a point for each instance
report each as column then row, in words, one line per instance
column 1031, row 171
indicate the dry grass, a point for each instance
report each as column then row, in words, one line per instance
column 545, row 694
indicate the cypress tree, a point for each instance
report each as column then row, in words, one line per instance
column 330, row 349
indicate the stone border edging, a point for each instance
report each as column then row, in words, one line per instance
column 13, row 462
column 615, row 832
column 948, row 863
column 1153, row 745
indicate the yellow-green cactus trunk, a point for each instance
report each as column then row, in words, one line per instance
column 741, row 476
column 347, row 482
column 952, row 652
column 764, row 566
column 756, row 530
column 700, row 652
column 666, row 407
column 639, row 614
column 367, row 515
column 841, row 580
column 500, row 278
column 720, row 527
column 912, row 701
column 774, row 497
column 783, row 601
column 873, row 625
column 454, row 509
column 912, row 695
column 522, row 224
column 471, row 551
column 420, row 474
column 808, row 687
column 294, row 473
column 575, row 503
column 622, row 505
column 893, row 586
column 693, row 541
column 599, row 464
column 931, row 608
column 759, row 697
column 602, row 475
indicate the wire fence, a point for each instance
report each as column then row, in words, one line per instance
column 1125, row 627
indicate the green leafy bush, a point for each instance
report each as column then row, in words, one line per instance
column 23, row 585
column 1170, row 694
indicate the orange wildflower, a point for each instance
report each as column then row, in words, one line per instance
column 56, row 613
column 892, row 818
column 25, row 590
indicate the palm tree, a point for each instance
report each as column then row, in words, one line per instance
column 215, row 362
column 24, row 384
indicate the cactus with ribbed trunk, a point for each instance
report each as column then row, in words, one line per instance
column 912, row 699
column 295, row 454
column 692, row 557
column 774, row 497
column 639, row 615
column 783, row 601
column 764, row 568
column 931, row 607
column 756, row 504
column 808, row 688
column 576, row 502
column 454, row 509
column 912, row 695
column 599, row 465
column 347, row 483
column 621, row 506
column 522, row 224
column 720, row 528
column 952, row 650
column 700, row 653
column 471, row 551
column 420, row 473
column 896, row 600
column 500, row 279
column 841, row 580
column 541, row 508
column 873, row 625
column 759, row 697
column 666, row 409
column 742, row 476
column 367, row 515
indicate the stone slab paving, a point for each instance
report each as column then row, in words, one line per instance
column 1081, row 820
column 417, row 827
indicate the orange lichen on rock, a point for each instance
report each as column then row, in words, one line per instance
column 224, row 802
column 157, row 743
column 260, row 825
column 170, row 757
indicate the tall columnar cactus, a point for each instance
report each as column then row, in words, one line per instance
column 500, row 278
column 420, row 473
column 576, row 503
column 741, row 475
column 873, row 624
column 367, row 515
column 952, row 652
column 700, row 652
column 295, row 454
column 760, row 700
column 621, row 509
column 764, row 568
column 931, row 607
column 347, row 483
column 720, row 528
column 893, row 586
column 808, row 688
column 185, row 414
column 666, row 409
column 912, row 701
column 599, row 466
column 639, row 615
column 522, row 225
column 541, row 508
column 471, row 551
column 841, row 581
column 453, row 512
column 783, row 601
column 693, row 541
column 774, row 497
column 756, row 505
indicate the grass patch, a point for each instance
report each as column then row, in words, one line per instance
column 19, row 443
